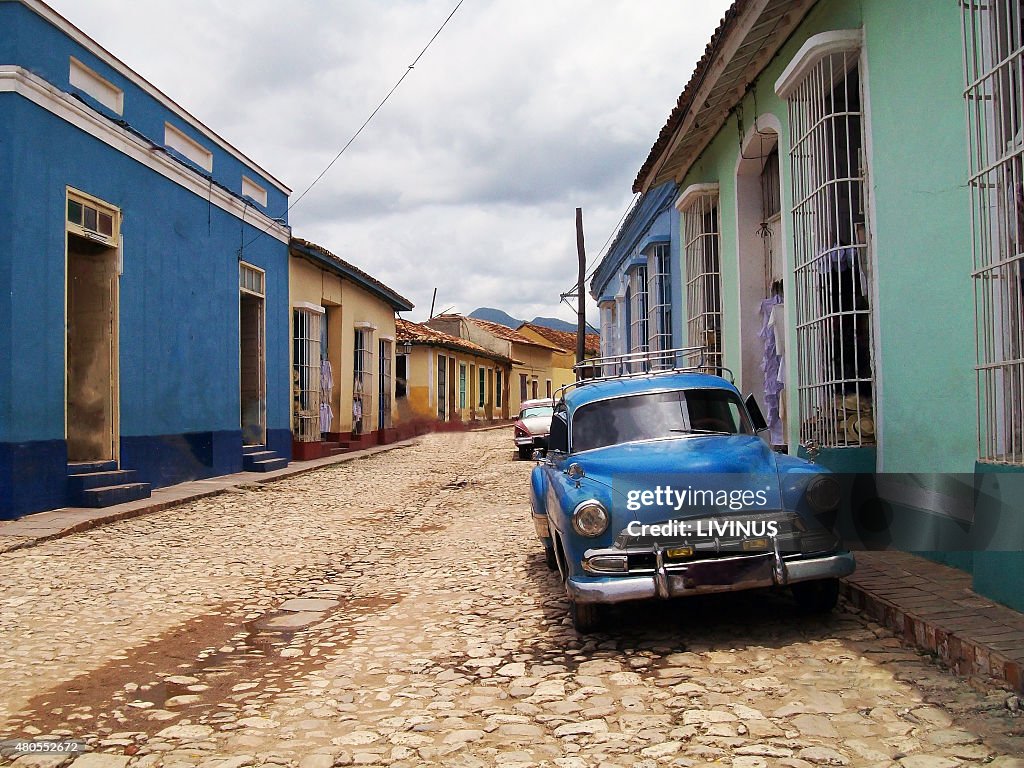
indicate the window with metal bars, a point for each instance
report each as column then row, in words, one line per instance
column 660, row 290
column 362, row 382
column 638, row 313
column 993, row 39
column 703, row 277
column 442, row 387
column 609, row 334
column 384, row 395
column 831, row 259
column 481, row 386
column 306, row 330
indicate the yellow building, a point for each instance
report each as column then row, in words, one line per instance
column 534, row 373
column 562, row 362
column 441, row 377
column 342, row 354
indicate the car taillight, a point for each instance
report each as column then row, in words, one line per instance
column 522, row 431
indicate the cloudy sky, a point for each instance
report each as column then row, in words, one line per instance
column 468, row 179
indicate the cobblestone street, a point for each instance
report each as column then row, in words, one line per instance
column 396, row 610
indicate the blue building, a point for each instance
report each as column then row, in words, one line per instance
column 634, row 284
column 143, row 282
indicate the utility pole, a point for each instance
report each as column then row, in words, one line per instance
column 581, row 315
column 432, row 303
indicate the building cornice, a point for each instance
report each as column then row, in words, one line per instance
column 52, row 17
column 14, row 79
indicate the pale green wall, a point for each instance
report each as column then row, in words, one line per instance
column 924, row 310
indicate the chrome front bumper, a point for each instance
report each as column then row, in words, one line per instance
column 725, row 574
column 539, row 441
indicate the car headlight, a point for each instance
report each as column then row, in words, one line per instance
column 823, row 493
column 590, row 519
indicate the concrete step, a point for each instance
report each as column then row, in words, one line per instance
column 249, row 460
column 248, row 449
column 267, row 465
column 88, row 467
column 80, row 482
column 110, row 495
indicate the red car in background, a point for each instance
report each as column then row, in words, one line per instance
column 533, row 425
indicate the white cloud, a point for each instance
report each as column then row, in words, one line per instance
column 469, row 176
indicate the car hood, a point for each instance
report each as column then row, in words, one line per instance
column 537, row 425
column 688, row 454
column 718, row 463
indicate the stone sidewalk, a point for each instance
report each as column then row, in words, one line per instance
column 32, row 529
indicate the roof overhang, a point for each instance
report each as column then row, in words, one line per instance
column 347, row 271
column 750, row 35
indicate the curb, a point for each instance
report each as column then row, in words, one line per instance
column 963, row 655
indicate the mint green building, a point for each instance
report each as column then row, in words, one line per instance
column 851, row 217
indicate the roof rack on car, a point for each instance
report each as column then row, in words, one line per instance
column 648, row 363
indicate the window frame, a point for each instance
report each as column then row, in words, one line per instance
column 830, row 220
column 992, row 36
column 699, row 205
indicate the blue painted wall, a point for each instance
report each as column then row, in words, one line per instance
column 652, row 220
column 179, row 298
column 31, row 42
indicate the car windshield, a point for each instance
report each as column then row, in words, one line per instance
column 539, row 410
column 657, row 415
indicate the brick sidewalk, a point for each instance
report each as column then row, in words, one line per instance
column 932, row 606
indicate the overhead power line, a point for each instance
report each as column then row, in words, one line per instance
column 365, row 122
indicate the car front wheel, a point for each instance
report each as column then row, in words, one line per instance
column 550, row 558
column 818, row 596
column 586, row 617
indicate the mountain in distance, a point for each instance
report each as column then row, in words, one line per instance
column 495, row 316
column 504, row 318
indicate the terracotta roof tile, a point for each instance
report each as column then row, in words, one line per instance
column 417, row 333
column 504, row 332
column 683, row 104
column 565, row 339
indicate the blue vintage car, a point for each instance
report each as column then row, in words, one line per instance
column 659, row 485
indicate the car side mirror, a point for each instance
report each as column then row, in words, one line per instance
column 756, row 417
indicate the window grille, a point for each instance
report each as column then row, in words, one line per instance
column 522, row 388
column 638, row 310
column 497, row 388
column 384, row 363
column 442, row 388
column 480, row 390
column 993, row 39
column 462, row 386
column 703, row 277
column 306, row 329
column 362, row 382
column 831, row 260
column 607, row 329
column 660, row 289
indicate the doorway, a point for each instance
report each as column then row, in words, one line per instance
column 252, row 355
column 92, row 351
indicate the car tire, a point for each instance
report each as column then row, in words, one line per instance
column 551, row 558
column 818, row 596
column 586, row 617
column 525, row 452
